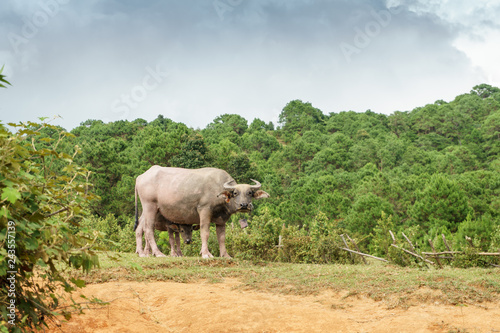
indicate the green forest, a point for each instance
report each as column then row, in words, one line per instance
column 430, row 171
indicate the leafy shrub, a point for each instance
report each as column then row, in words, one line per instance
column 495, row 240
column 481, row 230
column 381, row 242
column 257, row 242
column 43, row 196
column 296, row 246
column 115, row 234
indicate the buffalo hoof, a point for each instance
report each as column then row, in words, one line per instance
column 159, row 254
column 207, row 255
column 227, row 256
column 143, row 255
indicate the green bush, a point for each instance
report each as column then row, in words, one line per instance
column 495, row 240
column 382, row 240
column 318, row 241
column 480, row 229
column 115, row 234
column 257, row 242
column 44, row 195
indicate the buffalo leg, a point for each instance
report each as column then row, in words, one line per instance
column 221, row 237
column 149, row 215
column 205, row 217
column 147, row 249
column 171, row 240
column 178, row 244
column 138, row 238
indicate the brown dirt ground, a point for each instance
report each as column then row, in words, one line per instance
column 226, row 307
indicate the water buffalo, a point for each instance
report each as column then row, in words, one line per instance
column 162, row 224
column 191, row 196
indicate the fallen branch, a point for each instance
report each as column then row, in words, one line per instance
column 345, row 243
column 431, row 254
column 413, row 254
column 409, row 242
column 363, row 254
column 356, row 246
column 440, row 253
column 444, row 257
column 445, row 242
column 437, row 258
column 393, row 238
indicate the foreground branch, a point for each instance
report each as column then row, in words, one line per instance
column 57, row 212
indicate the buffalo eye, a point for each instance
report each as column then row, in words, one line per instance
column 235, row 193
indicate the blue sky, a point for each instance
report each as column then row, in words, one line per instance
column 195, row 60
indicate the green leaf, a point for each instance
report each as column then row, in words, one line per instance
column 11, row 194
column 4, row 212
column 2, row 79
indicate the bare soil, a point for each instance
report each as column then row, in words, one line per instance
column 227, row 307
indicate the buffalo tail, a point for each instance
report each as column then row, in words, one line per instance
column 136, row 211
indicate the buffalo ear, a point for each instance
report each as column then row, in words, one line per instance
column 174, row 227
column 196, row 227
column 226, row 194
column 261, row 194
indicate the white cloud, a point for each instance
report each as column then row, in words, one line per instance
column 476, row 30
column 484, row 54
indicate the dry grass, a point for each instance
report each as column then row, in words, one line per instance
column 397, row 286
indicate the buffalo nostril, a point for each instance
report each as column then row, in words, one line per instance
column 188, row 241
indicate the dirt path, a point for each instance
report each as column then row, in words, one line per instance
column 220, row 307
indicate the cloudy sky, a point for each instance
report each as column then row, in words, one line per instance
column 195, row 60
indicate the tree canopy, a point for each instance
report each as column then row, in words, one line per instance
column 420, row 167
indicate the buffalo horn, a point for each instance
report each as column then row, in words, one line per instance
column 227, row 185
column 256, row 186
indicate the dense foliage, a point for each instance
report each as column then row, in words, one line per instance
column 43, row 197
column 430, row 171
